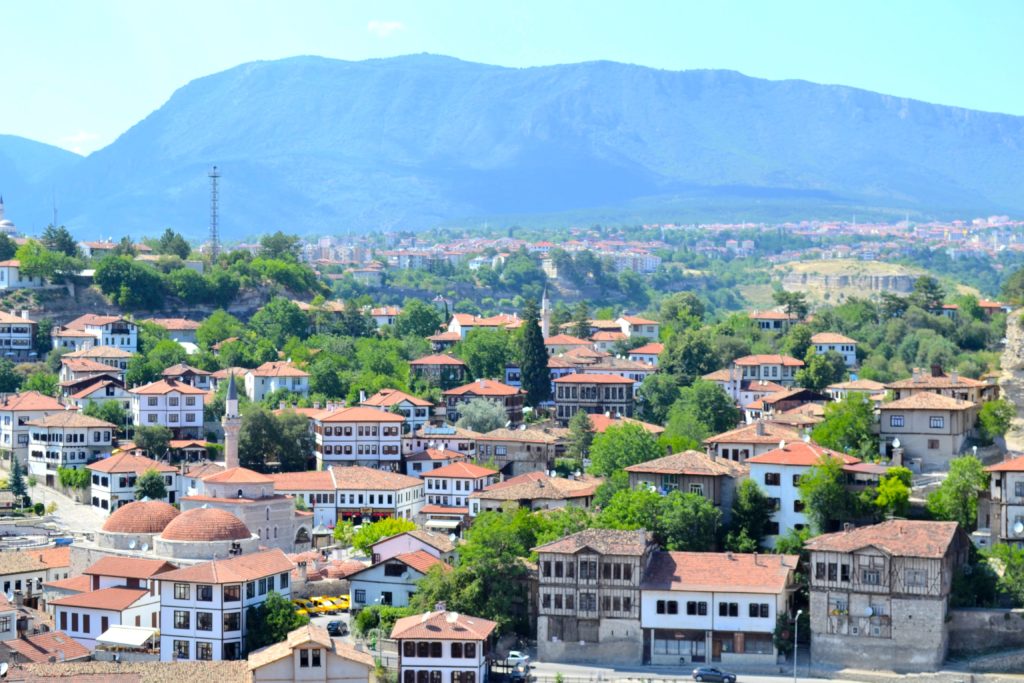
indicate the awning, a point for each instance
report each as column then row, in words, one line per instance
column 443, row 523
column 127, row 636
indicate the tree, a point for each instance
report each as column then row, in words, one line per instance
column 280, row 246
column 278, row 320
column 129, row 283
column 820, row 370
column 150, row 484
column 271, row 621
column 486, row 352
column 533, row 357
column 481, row 415
column 709, row 403
column 892, row 496
column 995, row 418
column 678, row 521
column 417, row 319
column 8, row 247
column 73, row 478
column 824, row 494
column 35, row 260
column 657, row 393
column 10, row 380
column 848, row 427
column 580, row 321
column 344, row 530
column 581, row 436
column 681, row 310
column 369, row 534
column 927, row 294
column 620, row 446
column 956, row 499
column 1011, row 578
column 688, row 355
column 893, row 305
column 295, row 442
column 618, row 481
column 125, row 247
column 798, row 341
column 793, row 303
column 16, row 481
column 59, row 240
column 171, row 242
column 155, row 440
column 751, row 512
column 44, row 382
column 108, row 411
column 220, row 325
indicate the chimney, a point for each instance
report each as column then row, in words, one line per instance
column 480, row 383
column 936, row 370
column 759, row 427
column 847, row 527
column 316, row 405
column 24, row 314
column 729, row 555
column 954, row 377
column 281, row 405
column 440, row 606
column 755, row 560
column 362, row 396
column 668, row 450
column 916, row 376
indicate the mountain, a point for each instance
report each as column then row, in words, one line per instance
column 316, row 145
column 25, row 166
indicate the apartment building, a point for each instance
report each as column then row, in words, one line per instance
column 358, row 436
column 171, row 404
column 202, row 607
column 589, row 592
column 880, row 593
column 66, row 439
column 372, row 494
column 592, row 393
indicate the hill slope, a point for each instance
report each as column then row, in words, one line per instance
column 310, row 144
column 25, row 167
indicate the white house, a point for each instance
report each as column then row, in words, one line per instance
column 310, row 654
column 445, row 437
column 830, row 341
column 415, row 409
column 100, row 392
column 17, row 335
column 65, row 439
column 714, row 607
column 275, row 376
column 8, row 620
column 443, row 647
column 392, row 581
column 316, row 489
column 450, row 486
column 358, row 436
column 770, row 367
column 179, row 329
column 635, row 326
column 16, row 410
column 98, row 330
column 202, row 608
column 648, row 353
column 171, row 404
column 435, row 544
column 25, row 571
column 114, row 358
column 11, row 277
column 186, row 374
column 385, row 315
column 429, row 459
column 778, row 473
column 368, row 493
column 113, row 480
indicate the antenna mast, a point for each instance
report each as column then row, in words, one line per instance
column 214, row 240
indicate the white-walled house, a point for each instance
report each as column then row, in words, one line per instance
column 437, row 544
column 97, row 330
column 635, row 326
column 310, row 654
column 1003, row 512
column 648, row 353
column 66, row 439
column 450, row 486
column 368, row 493
column 17, row 335
column 392, row 581
column 358, row 436
column 275, row 376
column 415, row 409
column 824, row 342
column 714, row 607
column 443, row 647
column 171, row 404
column 778, row 473
column 16, row 410
column 202, row 608
column 113, row 480
column 11, row 277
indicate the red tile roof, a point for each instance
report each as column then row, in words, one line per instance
column 174, row 323
column 359, row 414
column 141, row 517
column 179, row 369
column 897, row 537
column 392, row 397
column 41, row 647
column 605, row 335
column 604, row 541
column 484, row 387
column 166, row 386
column 237, row 475
column 30, row 400
column 443, row 626
column 925, row 380
column 650, row 349
column 773, row 432
column 926, row 400
column 637, row 320
column 692, row 463
column 278, row 369
column 206, row 524
column 319, row 480
column 437, row 359
column 432, row 509
column 124, row 463
column 565, row 340
column 719, row 572
column 799, row 454
column 434, row 454
column 601, row 422
column 831, row 338
column 76, row 584
column 539, row 486
column 587, row 378
column 58, row 556
column 1011, row 465
column 359, row 478
column 770, row 359
column 128, row 567
column 461, row 470
column 233, row 570
column 113, row 599
column 70, row 418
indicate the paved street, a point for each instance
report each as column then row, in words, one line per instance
column 73, row 516
column 578, row 673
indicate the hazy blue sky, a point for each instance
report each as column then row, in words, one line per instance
column 78, row 74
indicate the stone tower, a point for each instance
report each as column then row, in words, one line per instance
column 545, row 314
column 232, row 424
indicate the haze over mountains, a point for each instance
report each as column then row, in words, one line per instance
column 316, row 145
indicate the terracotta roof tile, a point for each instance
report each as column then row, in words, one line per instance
column 831, row 338
column 484, row 387
column 237, row 475
column 175, row 324
column 769, row 359
column 925, row 380
column 233, row 570
column 166, row 386
column 461, row 470
column 897, row 537
column 538, row 486
column 601, row 422
column 56, row 556
column 70, row 418
column 359, row 414
column 30, row 401
column 75, row 584
column 124, row 463
column 604, row 541
column 443, row 626
column 392, row 397
column 719, row 572
column 693, row 463
column 434, row 454
column 128, row 567
column 1011, row 465
column 772, row 433
column 592, row 378
column 650, row 349
column 206, row 524
column 358, row 478
column 437, row 359
column 278, row 369
column 318, row 480
column 42, row 646
column 926, row 400
column 799, row 454
column 115, row 599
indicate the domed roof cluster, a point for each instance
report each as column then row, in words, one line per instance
column 141, row 517
column 206, row 524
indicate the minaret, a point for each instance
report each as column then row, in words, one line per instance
column 545, row 315
column 232, row 424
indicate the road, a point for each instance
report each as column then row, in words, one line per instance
column 71, row 515
column 545, row 673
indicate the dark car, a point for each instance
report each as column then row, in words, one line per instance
column 337, row 628
column 710, row 673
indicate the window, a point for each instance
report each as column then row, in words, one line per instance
column 232, row 593
column 181, row 619
column 569, row 600
column 314, row 657
column 728, row 609
column 394, row 569
column 588, row 569
column 250, row 590
column 204, row 593
column 263, row 587
column 660, row 607
column 697, row 488
column 673, row 607
column 181, row 591
column 423, row 649
column 232, row 651
column 409, row 649
column 696, row 608
column 796, row 480
column 558, row 601
column 915, row 577
column 772, row 479
column 360, row 595
column 284, row 575
column 895, row 420
column 833, row 570
column 844, row 572
column 798, row 506
column 627, row 604
column 304, row 659
column 457, row 650
column 1018, row 489
column 545, row 601
column 181, row 649
column 435, row 650
column 933, row 444
column 204, row 621
column 547, row 568
column 469, row 650
column 819, row 571
column 204, row 651
column 558, row 570
column 232, row 621
column 871, row 577
column 86, row 626
column 936, row 422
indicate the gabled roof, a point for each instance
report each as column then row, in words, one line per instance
column 773, row 432
column 538, row 486
column 94, row 320
column 359, row 478
column 924, row 380
column 601, row 422
column 316, row 480
column 128, row 567
column 637, row 320
column 897, row 537
column 649, row 349
column 433, row 454
column 166, row 386
column 799, row 454
column 99, row 352
column 386, row 398
column 278, row 369
column 437, row 359
column 1011, row 465
column 443, row 626
column 310, row 634
column 606, row 335
column 769, row 359
column 534, row 435
column 112, row 599
column 359, row 414
column 604, row 541
column 124, row 463
column 69, row 418
column 174, row 324
column 565, row 340
column 926, row 400
column 592, row 378
column 183, row 369
column 30, row 401
column 93, row 388
column 858, row 385
column 233, row 570
column 440, row 542
column 461, row 470
column 42, row 646
column 719, row 572
column 831, row 338
column 691, row 463
column 484, row 387
column 237, row 475
column 86, row 365
column 420, row 560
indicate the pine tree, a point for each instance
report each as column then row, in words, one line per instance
column 533, row 357
column 581, row 436
column 580, row 321
column 17, row 479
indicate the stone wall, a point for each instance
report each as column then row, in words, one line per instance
column 980, row 630
column 620, row 641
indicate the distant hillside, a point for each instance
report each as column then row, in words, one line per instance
column 310, row 144
column 25, row 168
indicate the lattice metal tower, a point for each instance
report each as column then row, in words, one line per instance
column 214, row 238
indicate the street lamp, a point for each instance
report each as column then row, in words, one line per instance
column 796, row 640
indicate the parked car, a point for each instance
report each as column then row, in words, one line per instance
column 342, row 601
column 337, row 628
column 710, row 673
column 520, row 673
column 516, row 657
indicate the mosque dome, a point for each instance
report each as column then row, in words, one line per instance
column 206, row 524
column 141, row 517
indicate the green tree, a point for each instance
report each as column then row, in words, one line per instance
column 8, row 247
column 73, row 478
column 59, row 240
column 155, row 440
column 793, row 303
column 16, row 482
column 848, row 427
column 751, row 512
column 927, row 294
column 125, row 247
column 709, row 403
column 35, row 260
column 893, row 492
column 658, row 392
column 678, row 521
column 581, row 436
column 44, row 382
column 109, row 411
column 10, row 379
column 171, row 242
column 295, row 442
column 620, row 446
column 150, row 484
column 893, row 305
column 533, row 357
column 129, row 283
column 681, row 310
column 798, row 341
column 580, row 321
column 278, row 320
column 220, row 325
column 368, row 534
column 481, row 415
column 821, row 370
column 417, row 319
column 343, row 533
column 956, row 499
column 688, row 355
column 618, row 481
column 824, row 494
column 486, row 352
column 1011, row 577
column 280, row 246
column 995, row 418
column 271, row 621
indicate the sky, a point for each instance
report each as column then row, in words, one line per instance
column 78, row 74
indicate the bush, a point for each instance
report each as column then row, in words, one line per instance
column 39, row 509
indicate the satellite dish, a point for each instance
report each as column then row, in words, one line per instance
column 806, row 438
column 782, row 444
column 868, row 611
column 145, row 547
column 131, row 546
column 452, row 537
column 3, row 670
column 10, row 596
column 1018, row 528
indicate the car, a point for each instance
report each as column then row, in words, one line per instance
column 342, row 601
column 710, row 673
column 520, row 673
column 337, row 628
column 516, row 657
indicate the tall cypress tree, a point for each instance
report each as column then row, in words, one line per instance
column 17, row 480
column 533, row 357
